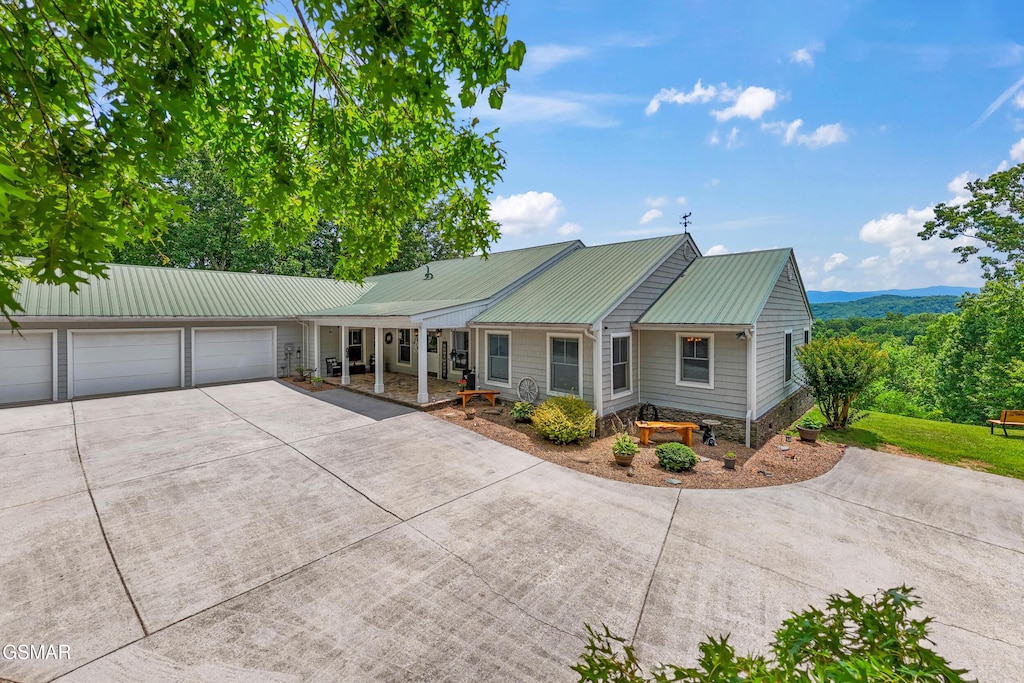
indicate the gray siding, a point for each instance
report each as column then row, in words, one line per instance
column 785, row 309
column 287, row 332
column 529, row 359
column 658, row 375
column 628, row 312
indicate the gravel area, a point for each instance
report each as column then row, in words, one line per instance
column 768, row 466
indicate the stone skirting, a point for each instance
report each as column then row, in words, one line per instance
column 732, row 428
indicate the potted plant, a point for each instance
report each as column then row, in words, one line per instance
column 317, row 381
column 730, row 461
column 522, row 411
column 462, row 384
column 809, row 428
column 470, row 413
column 624, row 448
column 299, row 372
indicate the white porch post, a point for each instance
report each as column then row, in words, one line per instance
column 378, row 351
column 598, row 370
column 316, row 351
column 343, row 355
column 423, row 395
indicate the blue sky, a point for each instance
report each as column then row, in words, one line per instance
column 830, row 127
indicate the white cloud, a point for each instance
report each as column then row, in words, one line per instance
column 699, row 93
column 1017, row 151
column 542, row 58
column 834, row 261
column 529, row 213
column 752, row 103
column 716, row 250
column 712, row 183
column 713, row 139
column 655, row 202
column 680, row 200
column 570, row 229
column 650, row 215
column 574, row 109
column 823, row 136
column 805, row 55
column 958, row 186
column 732, row 139
column 1018, row 100
column 999, row 101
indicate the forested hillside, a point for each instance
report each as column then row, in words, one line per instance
column 879, row 306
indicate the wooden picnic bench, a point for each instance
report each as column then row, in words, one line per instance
column 467, row 394
column 684, row 429
column 1007, row 418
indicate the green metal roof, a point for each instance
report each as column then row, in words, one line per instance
column 583, row 286
column 729, row 289
column 146, row 291
column 454, row 282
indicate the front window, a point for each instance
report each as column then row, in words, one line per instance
column 695, row 357
column 789, row 356
column 565, row 365
column 620, row 364
column 497, row 358
column 405, row 347
column 355, row 345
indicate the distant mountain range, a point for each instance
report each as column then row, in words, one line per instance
column 816, row 297
column 879, row 306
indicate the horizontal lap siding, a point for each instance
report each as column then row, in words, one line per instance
column 658, row 373
column 529, row 359
column 628, row 312
column 784, row 310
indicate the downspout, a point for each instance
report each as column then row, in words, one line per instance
column 305, row 334
column 751, row 379
column 598, row 379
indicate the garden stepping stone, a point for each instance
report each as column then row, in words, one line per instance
column 673, row 481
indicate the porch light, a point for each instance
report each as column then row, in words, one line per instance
column 742, row 336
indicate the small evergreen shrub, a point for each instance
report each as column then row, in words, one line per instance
column 676, row 457
column 522, row 410
column 564, row 419
column 623, row 445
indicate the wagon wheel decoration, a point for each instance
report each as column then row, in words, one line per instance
column 528, row 390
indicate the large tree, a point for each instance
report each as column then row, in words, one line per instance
column 338, row 111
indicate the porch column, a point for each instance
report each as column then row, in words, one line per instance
column 378, row 360
column 317, row 370
column 343, row 355
column 423, row 395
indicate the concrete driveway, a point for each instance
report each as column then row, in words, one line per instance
column 252, row 532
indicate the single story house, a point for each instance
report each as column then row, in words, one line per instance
column 621, row 325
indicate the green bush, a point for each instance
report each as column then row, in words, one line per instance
column 837, row 371
column 522, row 410
column 623, row 445
column 676, row 457
column 564, row 419
column 852, row 639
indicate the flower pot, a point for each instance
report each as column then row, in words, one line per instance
column 730, row 463
column 810, row 435
column 623, row 460
column 471, row 413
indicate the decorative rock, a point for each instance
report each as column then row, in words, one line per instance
column 582, row 459
column 783, row 448
column 673, row 481
column 767, row 474
column 630, row 472
column 492, row 411
column 703, row 459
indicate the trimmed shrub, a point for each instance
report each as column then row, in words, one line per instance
column 522, row 410
column 623, row 445
column 676, row 457
column 564, row 419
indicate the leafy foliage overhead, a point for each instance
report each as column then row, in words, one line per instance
column 339, row 111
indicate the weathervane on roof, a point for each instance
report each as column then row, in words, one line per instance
column 685, row 221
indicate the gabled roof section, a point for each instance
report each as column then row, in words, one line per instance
column 584, row 286
column 453, row 282
column 729, row 289
column 148, row 291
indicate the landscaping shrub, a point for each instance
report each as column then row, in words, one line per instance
column 564, row 419
column 522, row 410
column 854, row 638
column 837, row 371
column 676, row 457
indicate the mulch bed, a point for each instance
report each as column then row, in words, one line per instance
column 308, row 386
column 767, row 466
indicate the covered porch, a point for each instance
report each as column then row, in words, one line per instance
column 402, row 388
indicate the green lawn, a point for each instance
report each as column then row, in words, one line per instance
column 945, row 441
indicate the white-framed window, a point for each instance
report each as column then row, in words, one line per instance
column 499, row 358
column 355, row 345
column 405, row 347
column 622, row 376
column 565, row 365
column 807, row 335
column 695, row 359
column 788, row 368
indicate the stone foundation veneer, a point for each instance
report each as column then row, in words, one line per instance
column 732, row 428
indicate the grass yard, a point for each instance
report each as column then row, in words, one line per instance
column 966, row 445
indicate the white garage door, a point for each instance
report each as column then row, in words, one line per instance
column 111, row 362
column 26, row 367
column 228, row 354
